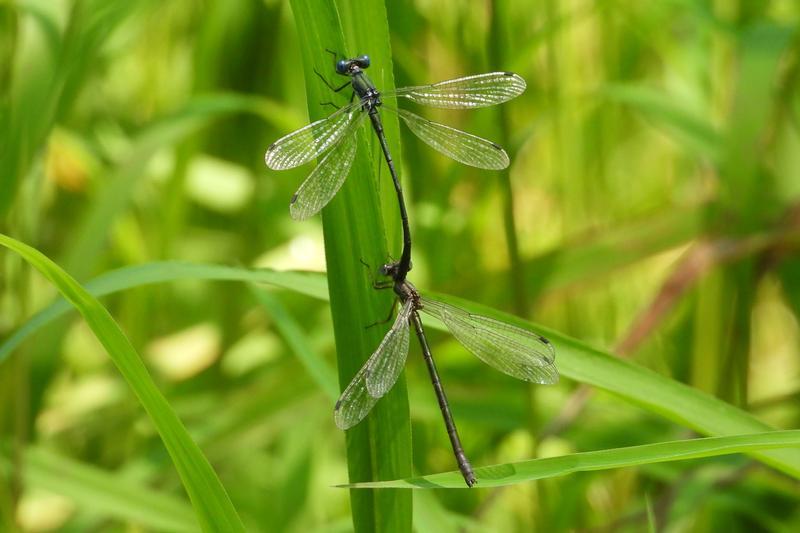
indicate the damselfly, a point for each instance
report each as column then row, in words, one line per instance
column 511, row 350
column 334, row 139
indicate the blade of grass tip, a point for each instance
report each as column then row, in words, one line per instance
column 211, row 503
column 379, row 447
column 524, row 471
column 45, row 22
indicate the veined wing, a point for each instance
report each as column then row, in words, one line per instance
column 456, row 144
column 481, row 90
column 325, row 181
column 511, row 350
column 305, row 144
column 382, row 372
column 378, row 374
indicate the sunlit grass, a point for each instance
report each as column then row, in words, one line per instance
column 653, row 180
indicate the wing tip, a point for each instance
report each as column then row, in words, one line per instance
column 268, row 156
column 337, row 416
column 518, row 79
column 546, row 342
column 554, row 376
column 550, row 349
column 296, row 211
column 504, row 161
column 547, row 375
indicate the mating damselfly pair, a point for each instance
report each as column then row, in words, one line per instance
column 512, row 350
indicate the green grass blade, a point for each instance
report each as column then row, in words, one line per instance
column 610, row 250
column 89, row 238
column 575, row 360
column 106, row 494
column 673, row 400
column 42, row 93
column 695, row 132
column 518, row 472
column 380, row 446
column 212, row 505
column 310, row 284
column 319, row 369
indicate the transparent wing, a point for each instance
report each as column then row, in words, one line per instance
column 354, row 403
column 456, row 144
column 375, row 377
column 383, row 371
column 325, row 181
column 305, row 144
column 511, row 350
column 481, row 90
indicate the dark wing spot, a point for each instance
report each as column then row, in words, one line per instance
column 497, row 146
column 338, row 405
column 508, row 73
column 294, row 198
column 545, row 341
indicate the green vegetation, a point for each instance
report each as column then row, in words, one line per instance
column 649, row 226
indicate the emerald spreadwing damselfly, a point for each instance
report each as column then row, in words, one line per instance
column 512, row 350
column 334, row 140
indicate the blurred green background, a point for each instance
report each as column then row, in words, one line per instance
column 652, row 209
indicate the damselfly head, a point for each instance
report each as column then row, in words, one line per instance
column 395, row 270
column 362, row 61
column 389, row 269
column 348, row 67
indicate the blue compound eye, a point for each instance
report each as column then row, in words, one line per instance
column 341, row 66
column 362, row 61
